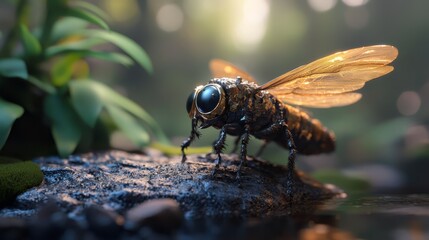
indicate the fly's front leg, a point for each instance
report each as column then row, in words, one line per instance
column 188, row 141
column 218, row 146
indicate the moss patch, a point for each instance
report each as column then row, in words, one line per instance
column 16, row 177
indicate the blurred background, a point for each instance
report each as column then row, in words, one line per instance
column 384, row 138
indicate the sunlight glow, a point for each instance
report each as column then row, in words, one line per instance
column 170, row 18
column 322, row 5
column 251, row 24
column 408, row 103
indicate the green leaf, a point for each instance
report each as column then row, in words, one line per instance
column 126, row 44
column 65, row 128
column 171, row 150
column 108, row 56
column 13, row 67
column 91, row 8
column 87, row 16
column 42, row 85
column 62, row 70
column 9, row 112
column 110, row 97
column 128, row 125
column 347, row 183
column 86, row 101
column 82, row 45
column 67, row 26
column 31, row 44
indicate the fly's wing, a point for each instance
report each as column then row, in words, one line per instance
column 221, row 68
column 330, row 81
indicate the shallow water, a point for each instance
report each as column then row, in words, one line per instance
column 356, row 217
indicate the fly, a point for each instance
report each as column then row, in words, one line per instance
column 234, row 103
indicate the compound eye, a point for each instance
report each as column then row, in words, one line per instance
column 207, row 99
column 190, row 101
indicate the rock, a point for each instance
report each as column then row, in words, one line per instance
column 13, row 228
column 161, row 215
column 106, row 224
column 119, row 180
column 50, row 222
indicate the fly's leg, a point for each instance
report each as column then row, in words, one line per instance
column 274, row 130
column 291, row 163
column 243, row 152
column 188, row 141
column 218, row 146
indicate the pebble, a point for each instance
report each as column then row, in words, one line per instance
column 104, row 223
column 161, row 215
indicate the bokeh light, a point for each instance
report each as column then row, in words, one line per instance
column 322, row 5
column 251, row 24
column 170, row 18
column 122, row 11
column 416, row 135
column 408, row 103
column 355, row 3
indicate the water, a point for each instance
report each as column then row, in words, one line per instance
column 357, row 217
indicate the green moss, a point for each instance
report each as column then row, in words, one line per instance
column 16, row 177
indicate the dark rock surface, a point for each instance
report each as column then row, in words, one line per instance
column 118, row 181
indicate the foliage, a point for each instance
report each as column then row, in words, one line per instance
column 346, row 183
column 50, row 59
column 16, row 177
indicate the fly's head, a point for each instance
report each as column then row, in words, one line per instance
column 206, row 104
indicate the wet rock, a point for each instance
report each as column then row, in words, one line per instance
column 119, row 180
column 161, row 215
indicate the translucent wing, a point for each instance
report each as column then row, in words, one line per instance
column 327, row 82
column 320, row 101
column 221, row 68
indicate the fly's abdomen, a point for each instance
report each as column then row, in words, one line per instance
column 309, row 135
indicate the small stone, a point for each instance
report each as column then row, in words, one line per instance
column 106, row 224
column 76, row 160
column 49, row 223
column 161, row 215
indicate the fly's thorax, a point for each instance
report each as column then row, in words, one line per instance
column 238, row 93
column 264, row 106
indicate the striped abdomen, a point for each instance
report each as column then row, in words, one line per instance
column 309, row 135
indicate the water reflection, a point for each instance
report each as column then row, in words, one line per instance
column 358, row 217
